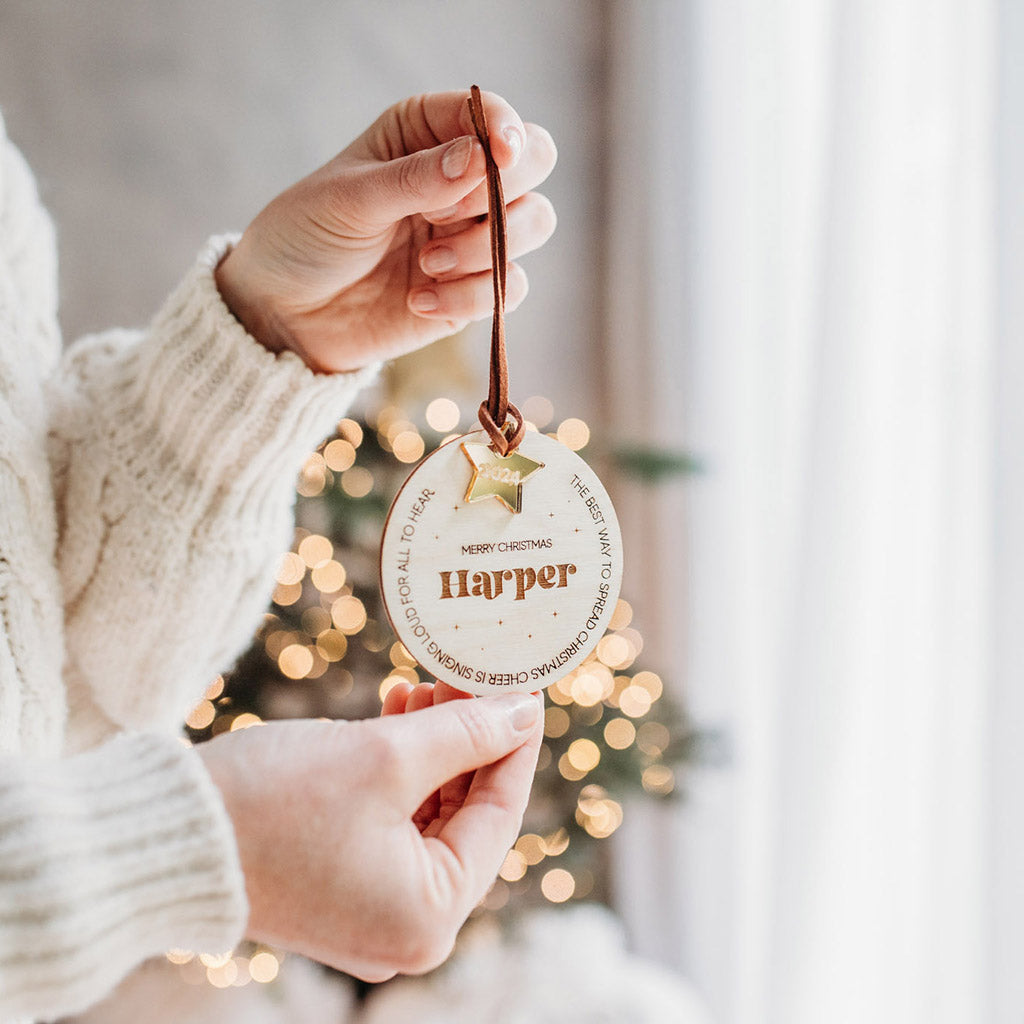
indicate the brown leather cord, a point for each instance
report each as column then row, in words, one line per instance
column 498, row 416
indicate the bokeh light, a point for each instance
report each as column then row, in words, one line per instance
column 514, row 866
column 557, row 885
column 538, row 410
column 329, row 577
column 584, row 755
column 408, row 446
column 351, row 431
column 340, row 455
column 357, row 482
column 295, row 661
column 348, row 614
column 443, row 415
column 556, row 722
column 573, row 433
column 264, row 967
column 658, row 779
column 619, row 733
column 315, row 550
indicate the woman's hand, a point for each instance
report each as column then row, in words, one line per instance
column 365, row 845
column 386, row 247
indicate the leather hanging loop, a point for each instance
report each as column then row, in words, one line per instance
column 504, row 431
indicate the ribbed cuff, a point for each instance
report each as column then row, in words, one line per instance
column 214, row 407
column 106, row 859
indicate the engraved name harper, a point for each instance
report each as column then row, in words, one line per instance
column 490, row 584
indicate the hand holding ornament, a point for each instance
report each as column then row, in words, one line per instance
column 381, row 251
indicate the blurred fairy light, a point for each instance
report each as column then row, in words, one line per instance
column 223, row 975
column 332, row 644
column 340, row 455
column 264, row 967
column 287, row 594
column 538, row 410
column 584, row 755
column 635, row 701
column 531, row 846
column 295, row 661
column 329, row 577
column 246, row 720
column 215, row 959
column 573, row 433
column 556, row 722
column 348, row 614
column 408, row 446
column 653, row 738
column 651, row 682
column 659, row 779
column 622, row 616
column 514, row 866
column 557, row 885
column 599, row 815
column 351, row 431
column 315, row 550
column 357, row 482
column 313, row 477
column 619, row 733
column 400, row 656
column 388, row 683
column 556, row 843
column 443, row 415
column 568, row 770
column 315, row 620
column 202, row 715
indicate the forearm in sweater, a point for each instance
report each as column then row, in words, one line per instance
column 106, row 859
column 175, row 456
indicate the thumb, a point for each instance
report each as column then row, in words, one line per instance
column 442, row 742
column 384, row 191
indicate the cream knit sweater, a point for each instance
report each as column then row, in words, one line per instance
column 146, row 488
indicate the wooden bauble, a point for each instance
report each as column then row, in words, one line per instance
column 490, row 600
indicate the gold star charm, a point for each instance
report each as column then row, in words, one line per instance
column 498, row 476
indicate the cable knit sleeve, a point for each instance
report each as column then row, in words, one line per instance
column 175, row 457
column 108, row 858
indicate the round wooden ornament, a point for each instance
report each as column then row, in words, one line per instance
column 501, row 572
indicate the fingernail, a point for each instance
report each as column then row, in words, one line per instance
column 423, row 301
column 523, row 711
column 514, row 138
column 456, row 158
column 439, row 260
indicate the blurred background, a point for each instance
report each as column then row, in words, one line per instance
column 782, row 314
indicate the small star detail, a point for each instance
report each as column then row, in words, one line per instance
column 498, row 476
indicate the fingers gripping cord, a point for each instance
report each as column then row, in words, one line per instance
column 498, row 416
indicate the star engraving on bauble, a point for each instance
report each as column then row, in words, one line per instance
column 498, row 476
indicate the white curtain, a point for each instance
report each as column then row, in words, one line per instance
column 808, row 255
